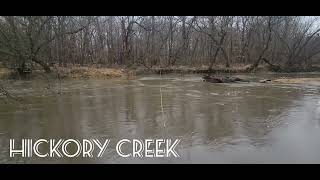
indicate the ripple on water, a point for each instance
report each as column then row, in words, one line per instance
column 157, row 78
column 193, row 95
column 195, row 91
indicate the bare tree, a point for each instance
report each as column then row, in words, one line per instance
column 282, row 43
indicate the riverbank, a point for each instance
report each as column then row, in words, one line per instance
column 95, row 72
column 193, row 70
column 74, row 72
column 99, row 72
column 78, row 72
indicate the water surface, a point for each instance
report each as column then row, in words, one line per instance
column 217, row 123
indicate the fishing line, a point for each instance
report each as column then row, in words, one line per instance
column 161, row 105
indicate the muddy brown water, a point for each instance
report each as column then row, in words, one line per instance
column 217, row 123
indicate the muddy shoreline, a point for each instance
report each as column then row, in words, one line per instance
column 90, row 72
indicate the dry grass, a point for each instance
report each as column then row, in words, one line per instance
column 5, row 72
column 239, row 68
column 89, row 72
column 76, row 72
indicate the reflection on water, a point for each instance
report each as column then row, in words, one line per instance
column 218, row 123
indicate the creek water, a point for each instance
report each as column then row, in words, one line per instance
column 217, row 123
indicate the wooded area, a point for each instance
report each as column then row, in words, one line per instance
column 286, row 43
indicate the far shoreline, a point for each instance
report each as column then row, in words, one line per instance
column 103, row 72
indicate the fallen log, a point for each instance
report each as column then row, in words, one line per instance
column 222, row 79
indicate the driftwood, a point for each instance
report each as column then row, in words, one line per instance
column 222, row 79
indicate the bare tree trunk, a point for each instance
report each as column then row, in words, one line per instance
column 260, row 57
